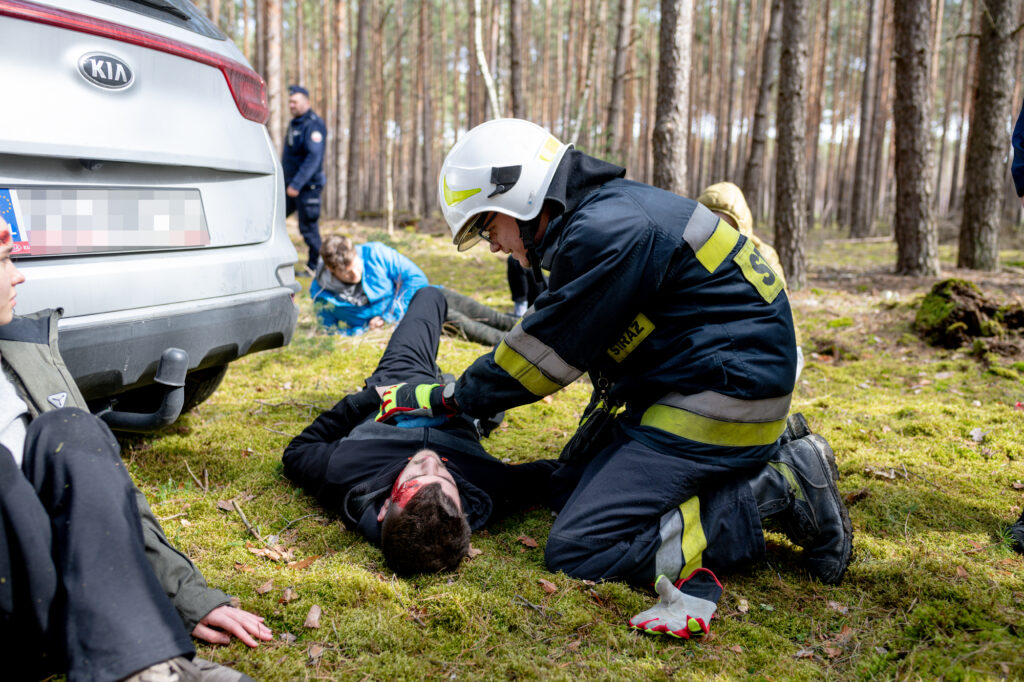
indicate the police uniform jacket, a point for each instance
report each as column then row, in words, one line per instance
column 28, row 346
column 671, row 306
column 303, row 157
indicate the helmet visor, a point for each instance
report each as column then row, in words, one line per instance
column 473, row 230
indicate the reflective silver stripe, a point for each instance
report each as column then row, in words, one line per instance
column 669, row 560
column 541, row 356
column 726, row 408
column 699, row 229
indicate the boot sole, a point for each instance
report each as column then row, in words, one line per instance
column 828, row 459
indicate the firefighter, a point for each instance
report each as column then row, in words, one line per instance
column 687, row 335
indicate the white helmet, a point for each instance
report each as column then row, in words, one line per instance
column 504, row 165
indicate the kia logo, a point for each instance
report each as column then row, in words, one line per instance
column 106, row 71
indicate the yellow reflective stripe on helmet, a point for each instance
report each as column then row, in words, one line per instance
column 523, row 371
column 549, row 150
column 712, row 431
column 694, row 541
column 453, row 197
column 718, row 246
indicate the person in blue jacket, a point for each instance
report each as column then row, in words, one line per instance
column 356, row 288
column 303, row 165
column 682, row 324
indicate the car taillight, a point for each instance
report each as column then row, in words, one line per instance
column 246, row 86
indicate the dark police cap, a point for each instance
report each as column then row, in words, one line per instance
column 292, row 89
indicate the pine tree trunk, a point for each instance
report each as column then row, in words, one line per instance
column 730, row 93
column 860, row 210
column 275, row 86
column 517, row 92
column 754, row 169
column 340, row 168
column 356, row 132
column 986, row 143
column 971, row 46
column 481, row 59
column 878, row 165
column 624, row 31
column 427, row 176
column 671, row 125
column 916, row 237
column 814, row 110
column 790, row 175
column 300, row 63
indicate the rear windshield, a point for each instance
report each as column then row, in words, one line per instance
column 180, row 13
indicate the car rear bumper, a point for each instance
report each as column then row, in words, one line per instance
column 110, row 353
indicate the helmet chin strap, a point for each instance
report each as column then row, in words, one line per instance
column 527, row 229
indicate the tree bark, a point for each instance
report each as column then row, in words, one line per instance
column 356, row 120
column 671, row 125
column 860, row 202
column 986, row 142
column 753, row 171
column 517, row 93
column 624, row 31
column 916, row 237
column 790, row 170
column 340, row 168
column 481, row 60
column 274, row 81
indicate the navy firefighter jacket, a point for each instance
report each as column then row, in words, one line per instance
column 676, row 309
column 303, row 158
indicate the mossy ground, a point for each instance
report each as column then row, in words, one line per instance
column 933, row 591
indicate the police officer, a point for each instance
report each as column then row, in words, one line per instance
column 678, row 318
column 303, row 162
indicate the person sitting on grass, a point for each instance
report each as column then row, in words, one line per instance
column 417, row 487
column 356, row 288
column 89, row 585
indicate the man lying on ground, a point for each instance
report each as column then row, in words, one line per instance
column 89, row 585
column 416, row 487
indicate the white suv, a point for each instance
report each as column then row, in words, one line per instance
column 143, row 189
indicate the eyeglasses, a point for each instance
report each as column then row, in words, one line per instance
column 482, row 226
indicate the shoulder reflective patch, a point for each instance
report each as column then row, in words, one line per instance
column 548, row 151
column 757, row 271
column 58, row 400
column 453, row 197
column 718, row 246
column 523, row 371
column 316, row 137
column 636, row 331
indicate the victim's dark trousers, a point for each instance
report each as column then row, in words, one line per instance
column 521, row 283
column 307, row 205
column 77, row 593
column 412, row 351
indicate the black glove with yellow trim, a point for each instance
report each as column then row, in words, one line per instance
column 417, row 400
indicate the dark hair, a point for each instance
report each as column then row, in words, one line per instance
column 429, row 536
column 338, row 252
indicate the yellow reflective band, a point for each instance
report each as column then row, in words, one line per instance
column 523, row 371
column 694, row 542
column 712, row 431
column 451, row 197
column 757, row 271
column 635, row 333
column 423, row 394
column 716, row 249
column 548, row 151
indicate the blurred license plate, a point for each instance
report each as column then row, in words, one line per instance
column 47, row 221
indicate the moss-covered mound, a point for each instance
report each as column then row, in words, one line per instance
column 956, row 312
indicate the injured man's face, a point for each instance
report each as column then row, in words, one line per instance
column 424, row 468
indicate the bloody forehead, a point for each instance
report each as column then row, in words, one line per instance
column 401, row 494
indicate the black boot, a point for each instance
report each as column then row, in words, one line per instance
column 796, row 428
column 1017, row 535
column 798, row 490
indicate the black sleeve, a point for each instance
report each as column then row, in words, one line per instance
column 306, row 457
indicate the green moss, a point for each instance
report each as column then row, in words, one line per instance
column 840, row 322
column 1004, row 372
